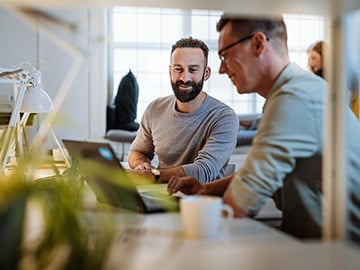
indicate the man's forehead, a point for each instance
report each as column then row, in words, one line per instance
column 227, row 32
column 183, row 56
column 187, row 50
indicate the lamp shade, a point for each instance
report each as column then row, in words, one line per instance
column 36, row 100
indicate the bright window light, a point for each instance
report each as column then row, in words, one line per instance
column 142, row 37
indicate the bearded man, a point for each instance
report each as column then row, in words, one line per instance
column 190, row 132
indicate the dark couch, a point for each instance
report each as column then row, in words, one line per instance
column 248, row 124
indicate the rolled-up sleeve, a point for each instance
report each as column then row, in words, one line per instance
column 289, row 130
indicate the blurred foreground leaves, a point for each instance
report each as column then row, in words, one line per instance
column 40, row 226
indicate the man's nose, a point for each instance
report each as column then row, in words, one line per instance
column 185, row 76
column 222, row 68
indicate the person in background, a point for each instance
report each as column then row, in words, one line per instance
column 190, row 132
column 285, row 159
column 315, row 54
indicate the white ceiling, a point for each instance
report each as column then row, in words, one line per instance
column 321, row 7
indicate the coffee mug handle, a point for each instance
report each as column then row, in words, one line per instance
column 229, row 215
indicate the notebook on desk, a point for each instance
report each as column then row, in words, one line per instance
column 122, row 192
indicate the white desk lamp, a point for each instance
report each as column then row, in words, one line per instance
column 36, row 100
column 30, row 98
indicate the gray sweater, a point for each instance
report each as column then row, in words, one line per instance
column 201, row 141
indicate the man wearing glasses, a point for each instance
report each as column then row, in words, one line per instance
column 285, row 159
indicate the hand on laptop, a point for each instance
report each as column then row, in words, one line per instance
column 143, row 166
column 140, row 177
column 186, row 184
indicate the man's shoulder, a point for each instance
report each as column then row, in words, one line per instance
column 162, row 101
column 297, row 82
column 219, row 105
column 216, row 102
column 159, row 106
column 296, row 74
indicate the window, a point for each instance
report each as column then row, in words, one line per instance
column 141, row 40
column 303, row 30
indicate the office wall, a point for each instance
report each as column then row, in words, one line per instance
column 51, row 47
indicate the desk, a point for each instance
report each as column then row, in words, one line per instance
column 155, row 242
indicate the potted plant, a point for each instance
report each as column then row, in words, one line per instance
column 41, row 224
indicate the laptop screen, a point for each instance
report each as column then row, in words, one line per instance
column 104, row 174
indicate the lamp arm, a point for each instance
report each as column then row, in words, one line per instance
column 14, row 118
column 61, row 148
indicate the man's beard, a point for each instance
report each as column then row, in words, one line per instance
column 187, row 95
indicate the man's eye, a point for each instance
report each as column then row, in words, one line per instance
column 178, row 70
column 193, row 70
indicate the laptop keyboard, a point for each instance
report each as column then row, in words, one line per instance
column 161, row 203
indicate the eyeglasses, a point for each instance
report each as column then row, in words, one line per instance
column 220, row 52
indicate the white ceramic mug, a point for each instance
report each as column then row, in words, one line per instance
column 202, row 216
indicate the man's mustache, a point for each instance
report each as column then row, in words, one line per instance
column 188, row 83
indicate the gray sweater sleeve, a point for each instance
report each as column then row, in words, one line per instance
column 212, row 159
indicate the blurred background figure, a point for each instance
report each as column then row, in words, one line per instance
column 315, row 57
column 316, row 52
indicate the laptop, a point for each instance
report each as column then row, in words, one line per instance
column 109, row 181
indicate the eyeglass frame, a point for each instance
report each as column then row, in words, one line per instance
column 222, row 57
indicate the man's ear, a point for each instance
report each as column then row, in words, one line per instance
column 207, row 73
column 260, row 41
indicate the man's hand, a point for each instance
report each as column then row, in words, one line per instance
column 140, row 177
column 139, row 161
column 143, row 166
column 229, row 201
column 185, row 184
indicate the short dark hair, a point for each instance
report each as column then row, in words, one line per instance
column 192, row 43
column 272, row 26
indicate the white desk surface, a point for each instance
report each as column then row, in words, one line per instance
column 155, row 241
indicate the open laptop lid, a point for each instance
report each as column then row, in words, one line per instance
column 105, row 175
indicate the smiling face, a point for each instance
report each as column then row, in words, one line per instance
column 253, row 52
column 188, row 73
column 237, row 60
